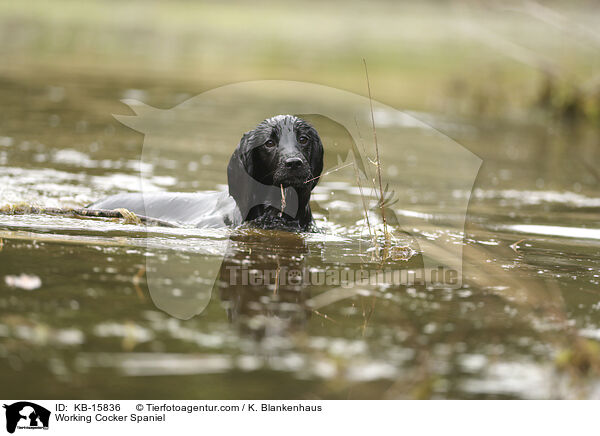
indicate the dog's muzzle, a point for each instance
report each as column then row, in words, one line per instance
column 292, row 171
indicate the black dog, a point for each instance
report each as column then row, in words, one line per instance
column 273, row 170
column 281, row 152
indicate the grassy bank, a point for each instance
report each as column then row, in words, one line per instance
column 459, row 57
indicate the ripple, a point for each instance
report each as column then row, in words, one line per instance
column 567, row 232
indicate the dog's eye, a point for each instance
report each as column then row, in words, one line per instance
column 270, row 143
column 303, row 139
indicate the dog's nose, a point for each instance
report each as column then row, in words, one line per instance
column 293, row 163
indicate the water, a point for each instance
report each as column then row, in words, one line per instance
column 100, row 309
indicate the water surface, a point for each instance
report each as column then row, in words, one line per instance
column 76, row 308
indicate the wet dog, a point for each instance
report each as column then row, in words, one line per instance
column 271, row 175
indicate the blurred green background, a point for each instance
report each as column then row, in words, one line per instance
column 507, row 59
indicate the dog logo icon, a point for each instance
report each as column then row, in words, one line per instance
column 26, row 415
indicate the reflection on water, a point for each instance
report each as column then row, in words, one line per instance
column 100, row 309
column 568, row 232
column 261, row 287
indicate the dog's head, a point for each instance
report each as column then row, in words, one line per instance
column 281, row 151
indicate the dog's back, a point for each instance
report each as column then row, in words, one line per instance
column 203, row 209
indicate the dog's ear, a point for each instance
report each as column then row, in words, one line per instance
column 240, row 174
column 316, row 159
column 249, row 192
column 243, row 152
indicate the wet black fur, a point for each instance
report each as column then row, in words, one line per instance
column 293, row 157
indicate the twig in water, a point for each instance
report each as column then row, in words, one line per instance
column 136, row 283
column 324, row 316
column 388, row 197
column 368, row 316
column 372, row 234
column 282, row 201
column 515, row 247
column 276, row 278
column 362, row 197
column 385, row 232
column 330, row 171
column 129, row 216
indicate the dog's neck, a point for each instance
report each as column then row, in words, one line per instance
column 270, row 217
